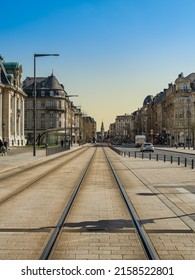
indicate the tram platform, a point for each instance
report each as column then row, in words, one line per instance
column 18, row 156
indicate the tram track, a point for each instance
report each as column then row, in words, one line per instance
column 101, row 226
column 10, row 182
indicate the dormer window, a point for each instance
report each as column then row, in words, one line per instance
column 51, row 93
column 43, row 84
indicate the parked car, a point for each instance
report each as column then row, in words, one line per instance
column 147, row 147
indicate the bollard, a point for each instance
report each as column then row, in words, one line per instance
column 129, row 154
column 178, row 161
column 171, row 159
column 149, row 156
column 135, row 154
column 164, row 158
column 185, row 162
column 157, row 157
column 192, row 164
column 142, row 155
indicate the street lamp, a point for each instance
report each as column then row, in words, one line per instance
column 35, row 56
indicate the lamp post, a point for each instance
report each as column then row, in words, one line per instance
column 188, row 118
column 35, row 56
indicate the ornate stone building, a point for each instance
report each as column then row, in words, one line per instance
column 167, row 118
column 54, row 110
column 11, row 103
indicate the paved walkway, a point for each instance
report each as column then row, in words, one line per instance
column 18, row 156
column 165, row 200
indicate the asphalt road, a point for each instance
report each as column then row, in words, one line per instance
column 180, row 156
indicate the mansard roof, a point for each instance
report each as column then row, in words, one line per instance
column 148, row 99
column 50, row 83
column 3, row 75
column 191, row 77
column 12, row 65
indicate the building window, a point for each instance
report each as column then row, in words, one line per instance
column 42, row 124
column 51, row 124
column 51, row 115
column 185, row 88
column 42, row 104
column 42, row 93
column 42, row 114
column 51, row 93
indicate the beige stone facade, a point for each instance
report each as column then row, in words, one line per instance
column 122, row 129
column 54, row 111
column 168, row 117
column 11, row 103
column 88, row 129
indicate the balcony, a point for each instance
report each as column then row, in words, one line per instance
column 54, row 108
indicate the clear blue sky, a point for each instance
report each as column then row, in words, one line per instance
column 113, row 53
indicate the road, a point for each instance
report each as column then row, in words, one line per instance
column 173, row 155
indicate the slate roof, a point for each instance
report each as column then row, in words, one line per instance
column 50, row 83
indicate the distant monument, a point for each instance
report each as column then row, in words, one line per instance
column 102, row 132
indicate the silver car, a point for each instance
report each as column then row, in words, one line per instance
column 147, row 147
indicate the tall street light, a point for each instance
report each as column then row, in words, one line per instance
column 35, row 56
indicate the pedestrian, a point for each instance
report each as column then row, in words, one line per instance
column 2, row 148
column 62, row 143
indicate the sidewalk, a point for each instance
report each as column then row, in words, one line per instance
column 177, row 150
column 163, row 195
column 18, row 156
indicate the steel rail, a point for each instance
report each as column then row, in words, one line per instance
column 38, row 178
column 50, row 244
column 148, row 250
column 32, row 165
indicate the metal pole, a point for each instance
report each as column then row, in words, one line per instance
column 34, row 142
column 65, row 126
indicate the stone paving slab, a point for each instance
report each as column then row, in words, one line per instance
column 20, row 245
column 19, row 156
column 163, row 196
column 99, row 225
